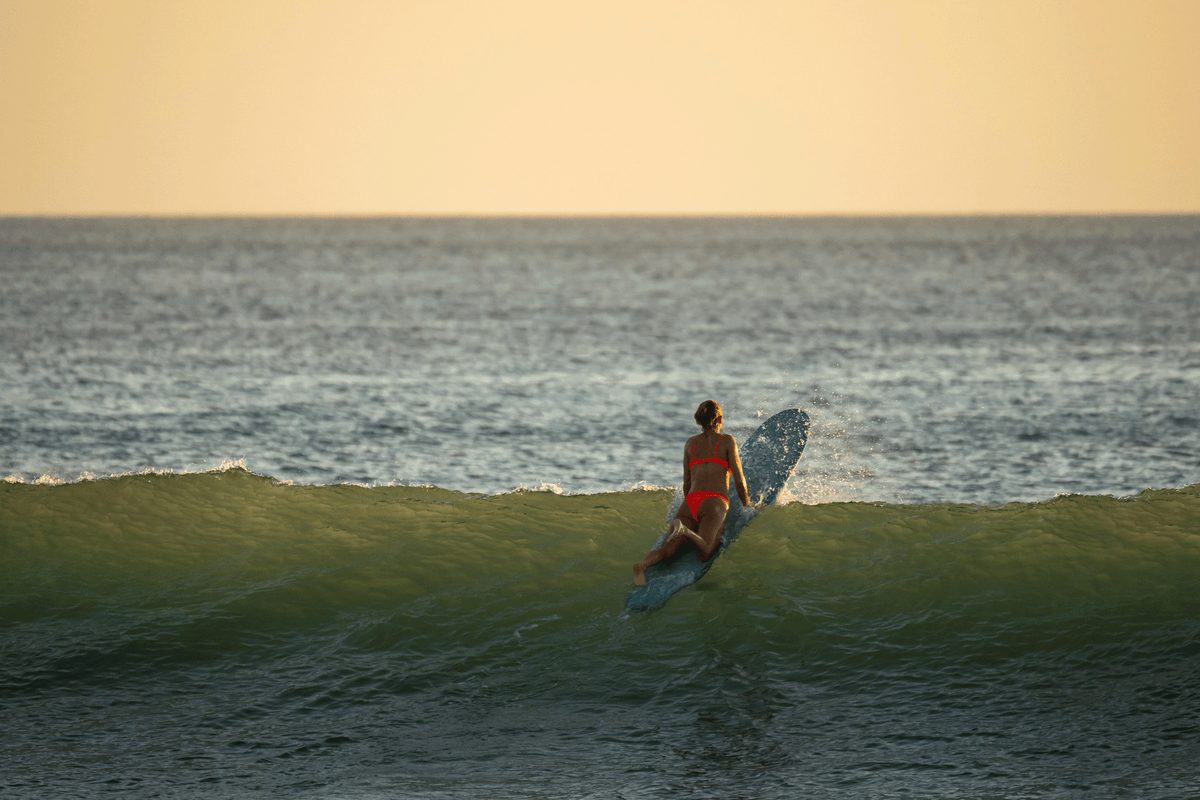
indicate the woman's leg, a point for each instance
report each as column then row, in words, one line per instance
column 682, row 528
column 712, row 524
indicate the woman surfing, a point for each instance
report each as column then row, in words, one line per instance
column 701, row 517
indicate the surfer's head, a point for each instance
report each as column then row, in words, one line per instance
column 708, row 413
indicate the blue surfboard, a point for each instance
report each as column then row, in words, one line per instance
column 769, row 457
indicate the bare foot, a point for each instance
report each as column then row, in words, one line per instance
column 639, row 575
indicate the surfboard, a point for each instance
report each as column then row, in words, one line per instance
column 769, row 457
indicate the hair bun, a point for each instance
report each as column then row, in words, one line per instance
column 707, row 413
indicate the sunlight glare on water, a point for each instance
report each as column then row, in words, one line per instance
column 968, row 360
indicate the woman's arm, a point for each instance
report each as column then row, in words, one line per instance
column 687, row 472
column 735, row 464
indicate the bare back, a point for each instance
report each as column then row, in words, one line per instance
column 710, row 476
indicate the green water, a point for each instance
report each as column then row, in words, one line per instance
column 223, row 630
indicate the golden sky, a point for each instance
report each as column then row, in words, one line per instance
column 571, row 107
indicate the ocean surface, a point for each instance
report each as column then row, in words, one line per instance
column 335, row 508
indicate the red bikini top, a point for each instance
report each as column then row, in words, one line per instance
column 713, row 460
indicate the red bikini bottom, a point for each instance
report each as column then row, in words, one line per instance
column 694, row 500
